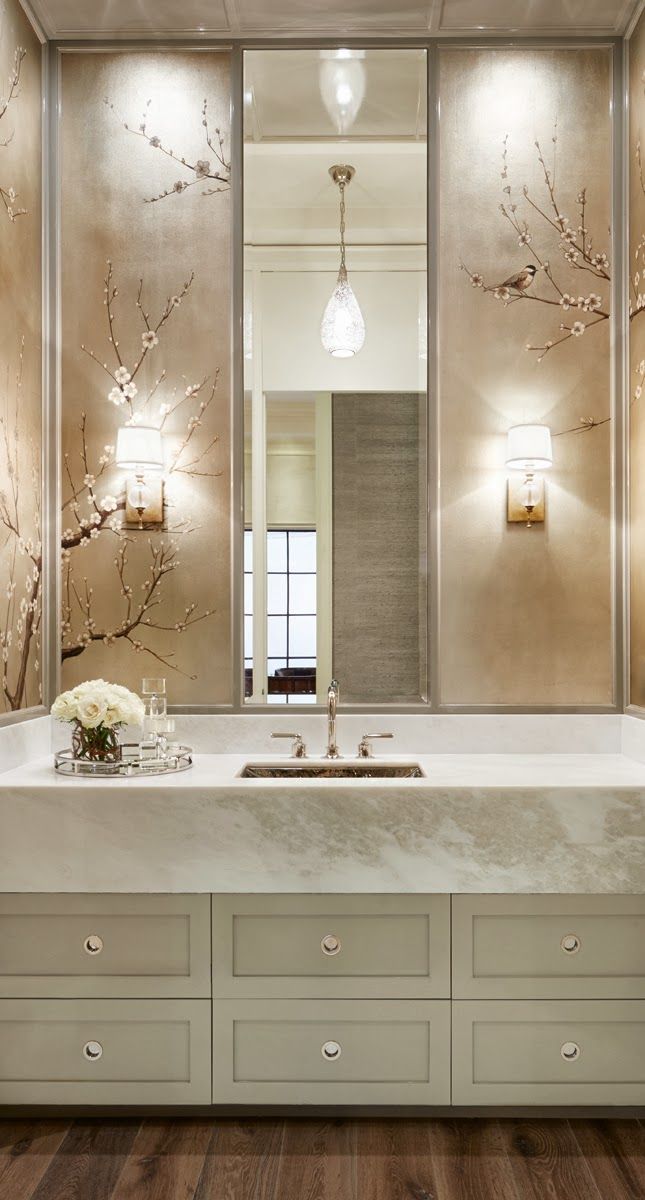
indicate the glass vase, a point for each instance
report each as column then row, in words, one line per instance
column 100, row 744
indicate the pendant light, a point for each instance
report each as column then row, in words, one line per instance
column 342, row 330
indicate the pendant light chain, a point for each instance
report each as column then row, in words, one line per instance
column 343, row 269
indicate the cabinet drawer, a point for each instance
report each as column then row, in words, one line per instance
column 344, row 946
column 104, row 945
column 548, row 1052
column 104, row 1052
column 331, row 1052
column 548, row 947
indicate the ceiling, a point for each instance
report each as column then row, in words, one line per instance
column 327, row 18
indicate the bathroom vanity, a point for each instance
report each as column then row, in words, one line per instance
column 474, row 937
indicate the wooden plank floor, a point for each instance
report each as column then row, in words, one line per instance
column 322, row 1159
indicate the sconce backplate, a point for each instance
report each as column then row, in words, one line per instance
column 516, row 511
column 153, row 514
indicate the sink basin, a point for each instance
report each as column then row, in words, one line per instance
column 332, row 770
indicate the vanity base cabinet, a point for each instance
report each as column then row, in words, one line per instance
column 331, row 1052
column 105, row 1052
column 548, row 1052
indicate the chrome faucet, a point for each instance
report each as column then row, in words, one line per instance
column 333, row 693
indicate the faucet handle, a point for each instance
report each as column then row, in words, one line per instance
column 365, row 744
column 298, row 750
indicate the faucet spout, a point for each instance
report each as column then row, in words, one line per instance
column 333, row 693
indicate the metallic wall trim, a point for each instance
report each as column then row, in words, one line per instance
column 237, row 378
column 621, row 385
column 433, row 399
column 618, row 343
column 51, row 379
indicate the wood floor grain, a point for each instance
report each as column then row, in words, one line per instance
column 322, row 1159
column 88, row 1161
column 26, row 1151
column 546, row 1160
column 242, row 1161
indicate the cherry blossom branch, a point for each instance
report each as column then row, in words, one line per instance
column 203, row 169
column 8, row 195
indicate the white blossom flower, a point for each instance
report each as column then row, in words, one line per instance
column 566, row 301
column 154, row 140
column 525, row 238
column 202, row 168
column 130, row 390
column 179, row 186
column 149, row 339
column 578, row 328
column 122, row 375
column 116, row 396
column 502, row 293
column 477, row 280
column 108, row 504
column 89, row 480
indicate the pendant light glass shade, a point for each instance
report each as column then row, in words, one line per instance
column 342, row 330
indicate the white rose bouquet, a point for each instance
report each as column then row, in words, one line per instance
column 98, row 710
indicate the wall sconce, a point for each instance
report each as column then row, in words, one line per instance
column 139, row 451
column 528, row 450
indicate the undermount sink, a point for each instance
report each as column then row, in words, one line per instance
column 332, row 770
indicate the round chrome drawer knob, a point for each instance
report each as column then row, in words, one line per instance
column 331, row 1051
column 570, row 1051
column 330, row 944
column 93, row 944
column 92, row 1051
column 570, row 943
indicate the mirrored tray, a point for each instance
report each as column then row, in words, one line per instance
column 129, row 764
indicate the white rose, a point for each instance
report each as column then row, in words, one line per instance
column 91, row 712
column 64, row 707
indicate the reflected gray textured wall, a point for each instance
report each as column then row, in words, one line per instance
column 378, row 454
column 145, row 332
column 20, row 358
column 525, row 614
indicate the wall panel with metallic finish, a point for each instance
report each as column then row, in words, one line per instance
column 145, row 318
column 637, row 363
column 525, row 614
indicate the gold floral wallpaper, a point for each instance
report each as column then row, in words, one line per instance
column 524, row 335
column 637, row 360
column 145, row 335
column 20, row 362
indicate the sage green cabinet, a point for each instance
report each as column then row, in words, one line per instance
column 548, row 1052
column 104, row 945
column 342, row 946
column 331, row 1052
column 551, row 947
column 105, row 1052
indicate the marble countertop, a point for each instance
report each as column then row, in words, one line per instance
column 476, row 823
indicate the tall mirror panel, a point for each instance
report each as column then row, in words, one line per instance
column 335, row 375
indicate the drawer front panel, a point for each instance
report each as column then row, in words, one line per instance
column 104, row 945
column 104, row 1052
column 331, row 1052
column 379, row 946
column 549, row 1052
column 548, row 947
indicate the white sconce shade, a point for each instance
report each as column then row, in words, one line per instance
column 139, row 446
column 342, row 330
column 529, row 448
